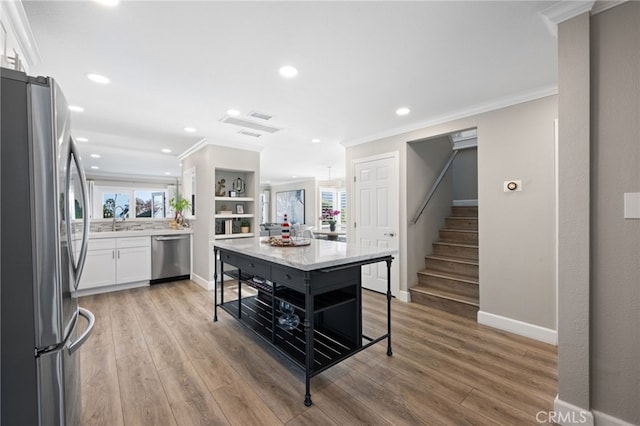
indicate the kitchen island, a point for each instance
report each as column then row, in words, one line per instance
column 308, row 304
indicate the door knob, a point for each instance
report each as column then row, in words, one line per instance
column 391, row 234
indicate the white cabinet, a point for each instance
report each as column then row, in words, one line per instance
column 99, row 269
column 133, row 264
column 116, row 261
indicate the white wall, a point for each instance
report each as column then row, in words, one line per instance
column 517, row 231
column 206, row 160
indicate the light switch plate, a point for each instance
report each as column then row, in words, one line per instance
column 507, row 186
column 632, row 205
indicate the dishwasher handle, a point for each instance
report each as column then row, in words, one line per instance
column 181, row 237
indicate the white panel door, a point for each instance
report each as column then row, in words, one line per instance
column 376, row 211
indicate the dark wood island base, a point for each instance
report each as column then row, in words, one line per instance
column 327, row 301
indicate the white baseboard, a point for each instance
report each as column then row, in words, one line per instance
column 463, row 203
column 207, row 285
column 532, row 331
column 404, row 296
column 566, row 414
column 110, row 288
column 607, row 420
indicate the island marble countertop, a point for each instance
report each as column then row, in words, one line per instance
column 318, row 255
column 139, row 233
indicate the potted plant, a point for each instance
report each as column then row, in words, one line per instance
column 329, row 216
column 244, row 226
column 178, row 205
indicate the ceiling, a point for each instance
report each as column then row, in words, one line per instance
column 179, row 64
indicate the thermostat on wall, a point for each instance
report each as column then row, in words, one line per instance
column 512, row 186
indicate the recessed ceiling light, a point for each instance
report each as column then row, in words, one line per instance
column 97, row 78
column 294, row 176
column 233, row 112
column 95, row 167
column 288, row 71
column 110, row 3
column 315, row 140
column 82, row 139
column 166, row 150
column 75, row 108
column 167, row 173
column 190, row 129
column 96, row 155
column 403, row 111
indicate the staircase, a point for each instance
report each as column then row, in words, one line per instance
column 450, row 280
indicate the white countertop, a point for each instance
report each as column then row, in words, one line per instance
column 318, row 255
column 139, row 233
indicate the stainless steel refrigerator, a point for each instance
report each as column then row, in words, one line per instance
column 44, row 229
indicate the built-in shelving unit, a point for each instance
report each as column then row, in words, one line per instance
column 242, row 206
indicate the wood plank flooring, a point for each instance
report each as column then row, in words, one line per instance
column 156, row 358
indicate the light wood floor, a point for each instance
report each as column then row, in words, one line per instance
column 156, row 358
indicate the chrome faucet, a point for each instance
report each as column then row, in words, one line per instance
column 115, row 211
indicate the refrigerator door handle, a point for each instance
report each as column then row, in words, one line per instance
column 77, row 269
column 85, row 335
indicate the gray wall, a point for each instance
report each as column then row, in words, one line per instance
column 615, row 241
column 573, row 211
column 465, row 175
column 599, row 251
column 425, row 160
column 517, row 226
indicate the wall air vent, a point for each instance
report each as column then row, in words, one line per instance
column 249, row 124
column 260, row 115
column 248, row 133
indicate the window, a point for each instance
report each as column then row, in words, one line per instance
column 342, row 196
column 131, row 202
column 150, row 204
column 115, row 204
column 331, row 200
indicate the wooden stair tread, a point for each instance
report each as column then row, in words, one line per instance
column 461, row 260
column 450, row 276
column 463, row 230
column 456, row 244
column 446, row 295
column 463, row 217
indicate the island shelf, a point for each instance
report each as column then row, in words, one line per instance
column 325, row 292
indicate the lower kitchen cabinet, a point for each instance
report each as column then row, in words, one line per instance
column 116, row 261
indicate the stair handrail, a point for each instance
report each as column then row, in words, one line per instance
column 416, row 217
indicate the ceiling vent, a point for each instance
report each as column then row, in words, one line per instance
column 249, row 124
column 260, row 115
column 248, row 133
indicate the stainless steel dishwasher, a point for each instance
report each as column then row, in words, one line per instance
column 170, row 257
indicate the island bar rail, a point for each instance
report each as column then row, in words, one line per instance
column 327, row 300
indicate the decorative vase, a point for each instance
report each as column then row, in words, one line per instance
column 288, row 320
column 244, row 229
column 332, row 227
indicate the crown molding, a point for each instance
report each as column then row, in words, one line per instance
column 563, row 11
column 195, row 147
column 469, row 112
column 13, row 13
column 204, row 142
column 603, row 5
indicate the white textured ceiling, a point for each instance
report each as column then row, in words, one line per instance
column 177, row 64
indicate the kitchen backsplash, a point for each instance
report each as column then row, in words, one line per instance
column 102, row 225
